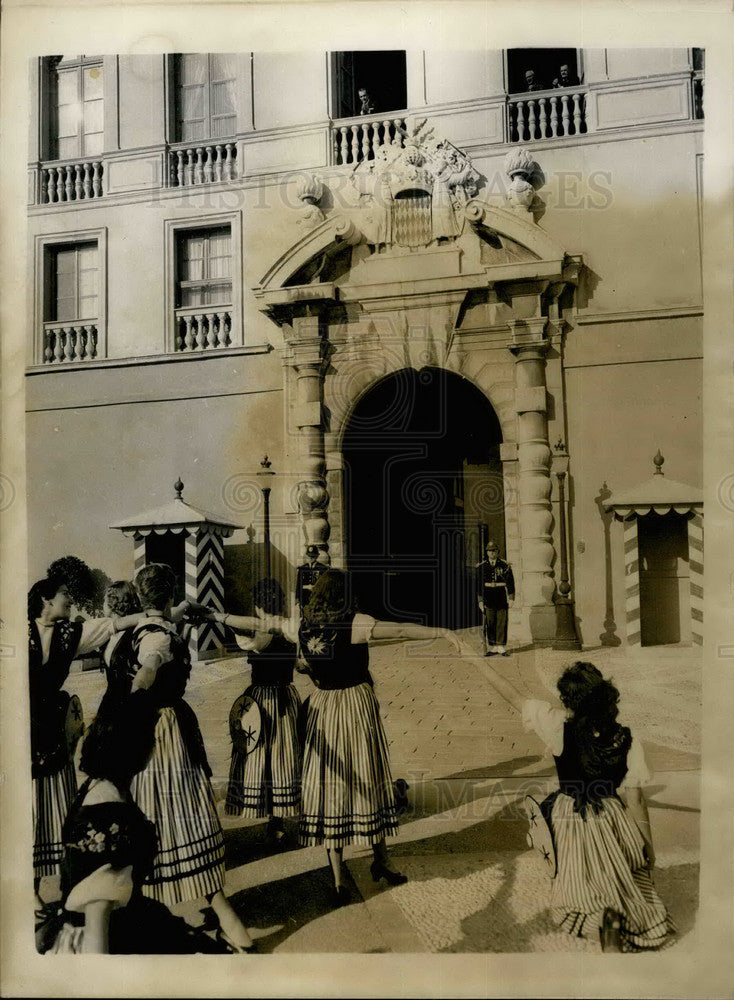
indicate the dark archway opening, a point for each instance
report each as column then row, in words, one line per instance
column 423, row 486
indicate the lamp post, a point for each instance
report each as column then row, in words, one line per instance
column 265, row 480
column 566, row 635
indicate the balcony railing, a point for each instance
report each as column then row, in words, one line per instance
column 73, row 181
column 357, row 139
column 203, row 329
column 202, row 164
column 77, row 341
column 546, row 114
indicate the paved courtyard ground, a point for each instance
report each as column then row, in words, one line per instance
column 474, row 886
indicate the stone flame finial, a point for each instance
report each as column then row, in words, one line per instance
column 178, row 487
column 658, row 463
column 520, row 167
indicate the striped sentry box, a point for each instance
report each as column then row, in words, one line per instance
column 204, row 583
column 632, row 581
column 695, row 569
column 139, row 553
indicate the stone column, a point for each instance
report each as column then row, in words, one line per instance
column 529, row 346
column 307, row 344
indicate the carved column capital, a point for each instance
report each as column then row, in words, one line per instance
column 528, row 336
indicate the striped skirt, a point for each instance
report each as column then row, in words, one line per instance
column 267, row 781
column 347, row 794
column 601, row 863
column 52, row 797
column 177, row 796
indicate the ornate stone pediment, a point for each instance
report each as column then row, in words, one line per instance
column 414, row 195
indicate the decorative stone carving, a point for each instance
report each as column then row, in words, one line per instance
column 309, row 190
column 520, row 167
column 313, row 498
column 416, row 191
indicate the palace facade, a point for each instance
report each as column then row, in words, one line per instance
column 450, row 295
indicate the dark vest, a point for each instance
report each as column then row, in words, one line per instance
column 273, row 666
column 591, row 770
column 166, row 691
column 48, row 702
column 335, row 663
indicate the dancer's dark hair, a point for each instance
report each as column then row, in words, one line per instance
column 591, row 699
column 156, row 585
column 42, row 590
column 332, row 601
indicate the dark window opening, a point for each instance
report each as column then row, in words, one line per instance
column 529, row 70
column 368, row 83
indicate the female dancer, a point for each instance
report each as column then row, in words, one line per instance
column 347, row 794
column 604, row 849
column 267, row 780
column 109, row 847
column 173, row 789
column 53, row 643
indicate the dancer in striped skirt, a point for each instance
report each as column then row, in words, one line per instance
column 173, row 789
column 266, row 779
column 604, row 848
column 53, row 643
column 347, row 789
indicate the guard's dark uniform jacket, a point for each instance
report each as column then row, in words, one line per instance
column 495, row 583
column 306, row 577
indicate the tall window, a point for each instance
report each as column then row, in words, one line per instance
column 204, row 267
column 73, row 282
column 77, row 107
column 368, row 82
column 205, row 93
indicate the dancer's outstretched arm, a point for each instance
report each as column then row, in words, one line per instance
column 501, row 685
column 238, row 623
column 407, row 630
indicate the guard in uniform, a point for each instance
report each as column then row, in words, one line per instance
column 307, row 576
column 495, row 593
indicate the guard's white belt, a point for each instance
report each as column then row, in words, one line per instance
column 495, row 584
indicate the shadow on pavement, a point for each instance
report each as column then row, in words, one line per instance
column 247, row 843
column 503, row 831
column 505, row 769
column 288, row 904
column 433, row 796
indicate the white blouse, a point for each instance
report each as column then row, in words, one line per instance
column 548, row 721
column 95, row 633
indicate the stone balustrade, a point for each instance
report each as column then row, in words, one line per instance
column 205, row 164
column 546, row 114
column 76, row 341
column 357, row 139
column 202, row 329
column 64, row 182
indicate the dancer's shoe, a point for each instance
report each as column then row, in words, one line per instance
column 378, row 871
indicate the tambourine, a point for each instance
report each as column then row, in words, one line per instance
column 245, row 724
column 540, row 834
column 73, row 724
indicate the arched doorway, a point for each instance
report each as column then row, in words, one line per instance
column 422, row 486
